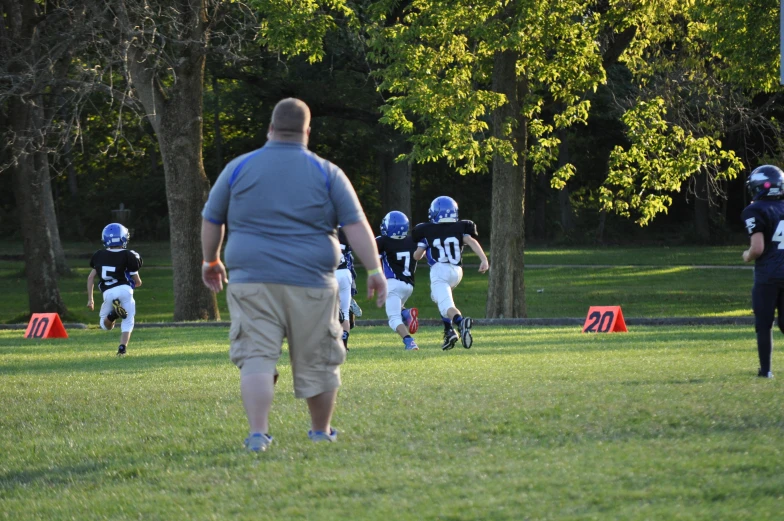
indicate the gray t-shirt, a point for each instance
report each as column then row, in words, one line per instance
column 281, row 205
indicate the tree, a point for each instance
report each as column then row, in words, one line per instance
column 161, row 49
column 35, row 53
column 453, row 69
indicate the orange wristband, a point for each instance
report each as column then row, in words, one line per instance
column 210, row 264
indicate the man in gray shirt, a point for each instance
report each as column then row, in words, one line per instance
column 281, row 205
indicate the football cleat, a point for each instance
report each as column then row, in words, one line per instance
column 762, row 374
column 410, row 344
column 450, row 339
column 355, row 308
column 121, row 350
column 465, row 332
column 118, row 309
column 411, row 320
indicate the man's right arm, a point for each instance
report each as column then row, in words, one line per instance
column 213, row 273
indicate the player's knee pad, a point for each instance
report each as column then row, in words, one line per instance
column 395, row 321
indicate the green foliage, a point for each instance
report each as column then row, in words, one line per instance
column 660, row 159
column 744, row 38
column 437, row 66
column 531, row 423
column 296, row 27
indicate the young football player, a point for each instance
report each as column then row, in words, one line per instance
column 443, row 239
column 764, row 221
column 396, row 250
column 117, row 270
column 345, row 279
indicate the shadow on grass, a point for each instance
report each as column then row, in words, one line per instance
column 111, row 362
column 114, row 469
column 539, row 342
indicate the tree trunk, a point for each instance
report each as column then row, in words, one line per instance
column 564, row 201
column 216, row 124
column 29, row 180
column 395, row 179
column 175, row 114
column 702, row 208
column 187, row 188
column 41, row 161
column 540, row 206
column 506, row 289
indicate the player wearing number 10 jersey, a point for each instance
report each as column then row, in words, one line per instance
column 442, row 239
column 396, row 250
column 117, row 271
column 764, row 221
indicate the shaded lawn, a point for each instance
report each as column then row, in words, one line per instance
column 532, row 423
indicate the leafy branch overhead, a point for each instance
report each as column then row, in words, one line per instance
column 659, row 160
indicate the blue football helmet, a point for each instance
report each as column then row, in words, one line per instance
column 115, row 235
column 766, row 182
column 394, row 225
column 443, row 209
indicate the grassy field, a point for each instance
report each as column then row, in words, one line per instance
column 532, row 423
column 646, row 282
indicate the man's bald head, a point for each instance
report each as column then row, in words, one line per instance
column 291, row 116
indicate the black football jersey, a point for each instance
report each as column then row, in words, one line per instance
column 767, row 217
column 346, row 259
column 397, row 258
column 444, row 241
column 114, row 267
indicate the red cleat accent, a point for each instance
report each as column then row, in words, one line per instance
column 413, row 324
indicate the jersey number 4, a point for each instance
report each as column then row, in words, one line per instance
column 778, row 235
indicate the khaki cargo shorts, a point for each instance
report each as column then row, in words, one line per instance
column 262, row 315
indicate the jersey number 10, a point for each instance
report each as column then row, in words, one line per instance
column 449, row 251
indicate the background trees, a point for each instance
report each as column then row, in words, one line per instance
column 548, row 121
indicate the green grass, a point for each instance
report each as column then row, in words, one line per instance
column 532, row 423
column 661, row 284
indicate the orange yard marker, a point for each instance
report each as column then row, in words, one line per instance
column 45, row 325
column 604, row 319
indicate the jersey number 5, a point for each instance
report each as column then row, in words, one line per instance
column 105, row 270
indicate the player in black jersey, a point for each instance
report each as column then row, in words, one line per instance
column 443, row 239
column 396, row 250
column 345, row 278
column 764, row 221
column 117, row 270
